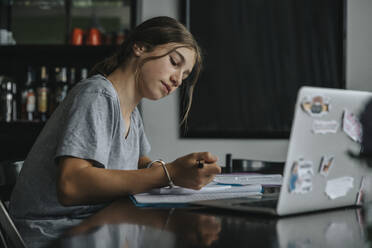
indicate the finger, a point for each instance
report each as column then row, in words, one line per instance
column 209, row 179
column 206, row 156
column 211, row 169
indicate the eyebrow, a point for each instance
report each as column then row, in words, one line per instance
column 183, row 61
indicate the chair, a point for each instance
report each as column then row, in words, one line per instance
column 254, row 166
column 9, row 235
column 9, row 171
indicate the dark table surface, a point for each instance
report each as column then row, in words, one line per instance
column 121, row 224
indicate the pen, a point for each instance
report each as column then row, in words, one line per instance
column 200, row 164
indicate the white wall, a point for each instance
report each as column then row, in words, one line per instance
column 161, row 117
column 359, row 45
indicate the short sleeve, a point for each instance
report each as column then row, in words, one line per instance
column 87, row 128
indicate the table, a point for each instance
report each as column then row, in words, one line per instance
column 121, row 224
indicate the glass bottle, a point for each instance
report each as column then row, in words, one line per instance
column 61, row 86
column 83, row 73
column 14, row 102
column 28, row 98
column 6, row 100
column 72, row 78
column 43, row 95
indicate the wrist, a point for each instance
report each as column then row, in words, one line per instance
column 166, row 171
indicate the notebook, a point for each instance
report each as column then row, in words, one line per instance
column 181, row 197
column 319, row 172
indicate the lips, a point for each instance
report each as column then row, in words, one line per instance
column 167, row 87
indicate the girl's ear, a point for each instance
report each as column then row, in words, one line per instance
column 138, row 50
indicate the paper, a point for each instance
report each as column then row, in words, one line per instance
column 360, row 196
column 326, row 164
column 351, row 126
column 246, row 179
column 324, row 127
column 184, row 191
column 301, row 177
column 338, row 187
column 315, row 106
column 147, row 199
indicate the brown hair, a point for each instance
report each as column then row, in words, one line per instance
column 151, row 33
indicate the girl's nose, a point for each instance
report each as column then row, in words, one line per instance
column 176, row 78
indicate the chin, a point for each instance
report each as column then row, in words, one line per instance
column 155, row 97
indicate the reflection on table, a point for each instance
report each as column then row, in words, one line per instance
column 121, row 224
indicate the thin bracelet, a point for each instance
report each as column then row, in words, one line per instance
column 149, row 165
column 171, row 184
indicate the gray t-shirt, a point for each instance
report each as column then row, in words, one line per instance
column 88, row 124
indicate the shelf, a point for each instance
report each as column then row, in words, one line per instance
column 20, row 124
column 15, row 59
column 50, row 50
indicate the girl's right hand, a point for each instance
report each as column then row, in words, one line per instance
column 185, row 173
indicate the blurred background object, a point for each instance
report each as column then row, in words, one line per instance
column 56, row 20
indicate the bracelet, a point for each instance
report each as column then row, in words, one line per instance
column 171, row 184
column 149, row 165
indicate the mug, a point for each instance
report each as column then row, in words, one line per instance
column 94, row 37
column 77, row 37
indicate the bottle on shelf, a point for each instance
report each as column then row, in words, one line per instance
column 83, row 73
column 7, row 100
column 28, row 98
column 72, row 78
column 43, row 95
column 61, row 86
column 53, row 79
column 14, row 102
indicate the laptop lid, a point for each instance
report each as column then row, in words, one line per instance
column 319, row 173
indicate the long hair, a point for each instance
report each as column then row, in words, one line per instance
column 151, row 33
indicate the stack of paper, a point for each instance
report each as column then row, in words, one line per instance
column 223, row 186
column 248, row 178
column 165, row 197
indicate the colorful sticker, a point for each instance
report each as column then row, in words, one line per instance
column 325, row 165
column 324, row 127
column 360, row 194
column 315, row 106
column 338, row 187
column 301, row 177
column 351, row 126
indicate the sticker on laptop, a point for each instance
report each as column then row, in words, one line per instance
column 339, row 187
column 315, row 106
column 325, row 127
column 351, row 126
column 301, row 177
column 326, row 164
column 360, row 195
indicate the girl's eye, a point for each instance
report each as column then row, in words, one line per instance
column 173, row 62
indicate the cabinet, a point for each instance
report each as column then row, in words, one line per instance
column 17, row 137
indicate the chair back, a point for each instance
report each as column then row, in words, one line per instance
column 9, row 230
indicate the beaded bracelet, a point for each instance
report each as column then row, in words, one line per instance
column 171, row 184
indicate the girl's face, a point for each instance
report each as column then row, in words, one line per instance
column 160, row 77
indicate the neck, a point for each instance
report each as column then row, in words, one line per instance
column 123, row 80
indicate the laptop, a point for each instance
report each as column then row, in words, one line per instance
column 319, row 172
